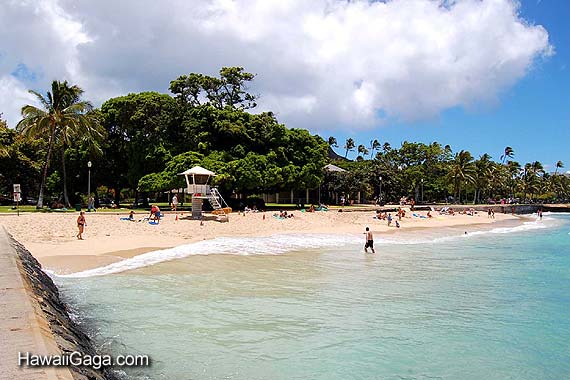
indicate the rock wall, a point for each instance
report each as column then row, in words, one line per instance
column 67, row 334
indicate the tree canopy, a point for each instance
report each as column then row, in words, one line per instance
column 140, row 142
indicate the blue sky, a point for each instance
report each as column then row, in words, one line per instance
column 533, row 116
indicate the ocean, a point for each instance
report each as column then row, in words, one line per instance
column 489, row 304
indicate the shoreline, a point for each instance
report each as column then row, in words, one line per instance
column 110, row 240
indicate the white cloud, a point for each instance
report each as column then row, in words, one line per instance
column 320, row 63
column 13, row 96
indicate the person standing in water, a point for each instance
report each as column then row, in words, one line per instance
column 369, row 241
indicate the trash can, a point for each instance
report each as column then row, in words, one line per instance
column 78, row 207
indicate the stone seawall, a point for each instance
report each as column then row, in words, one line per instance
column 44, row 326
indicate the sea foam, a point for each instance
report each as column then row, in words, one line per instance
column 269, row 245
column 526, row 226
column 283, row 243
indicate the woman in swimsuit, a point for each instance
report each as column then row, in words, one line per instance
column 80, row 225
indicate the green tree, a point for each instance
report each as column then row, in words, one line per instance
column 349, row 146
column 482, row 176
column 461, row 172
column 89, row 132
column 143, row 133
column 62, row 110
column 4, row 126
column 229, row 90
column 559, row 165
column 22, row 162
column 374, row 146
column 507, row 153
column 362, row 151
column 332, row 142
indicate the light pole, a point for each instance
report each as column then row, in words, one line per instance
column 89, row 178
column 380, row 191
column 422, row 182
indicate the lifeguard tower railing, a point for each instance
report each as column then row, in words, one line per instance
column 201, row 191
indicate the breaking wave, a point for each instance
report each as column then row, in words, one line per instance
column 270, row 245
column 284, row 243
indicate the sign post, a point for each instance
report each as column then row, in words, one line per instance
column 17, row 197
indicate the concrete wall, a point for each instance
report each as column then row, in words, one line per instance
column 34, row 319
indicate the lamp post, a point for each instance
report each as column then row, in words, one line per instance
column 380, row 191
column 89, row 178
column 422, row 182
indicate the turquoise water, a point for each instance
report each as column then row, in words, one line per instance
column 489, row 305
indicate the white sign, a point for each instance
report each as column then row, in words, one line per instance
column 17, row 197
column 17, row 188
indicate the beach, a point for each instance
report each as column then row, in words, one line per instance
column 431, row 303
column 108, row 239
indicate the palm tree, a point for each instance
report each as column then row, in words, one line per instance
column 90, row 133
column 333, row 142
column 374, row 146
column 537, row 171
column 559, row 165
column 362, row 150
column 62, row 116
column 508, row 153
column 349, row 146
column 386, row 147
column 461, row 171
column 515, row 171
column 482, row 175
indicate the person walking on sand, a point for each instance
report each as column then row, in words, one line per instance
column 369, row 241
column 174, row 203
column 80, row 225
column 91, row 204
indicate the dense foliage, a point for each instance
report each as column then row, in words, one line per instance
column 139, row 143
column 434, row 173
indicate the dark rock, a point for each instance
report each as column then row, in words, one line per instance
column 67, row 334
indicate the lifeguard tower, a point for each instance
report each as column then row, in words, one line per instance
column 197, row 185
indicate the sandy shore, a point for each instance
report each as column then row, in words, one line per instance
column 51, row 237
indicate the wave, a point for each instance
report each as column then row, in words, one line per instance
column 282, row 243
column 270, row 245
column 526, row 226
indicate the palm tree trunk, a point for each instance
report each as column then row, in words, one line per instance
column 44, row 174
column 458, row 199
column 65, row 197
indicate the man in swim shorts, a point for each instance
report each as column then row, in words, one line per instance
column 369, row 241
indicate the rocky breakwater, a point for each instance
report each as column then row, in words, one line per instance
column 53, row 314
